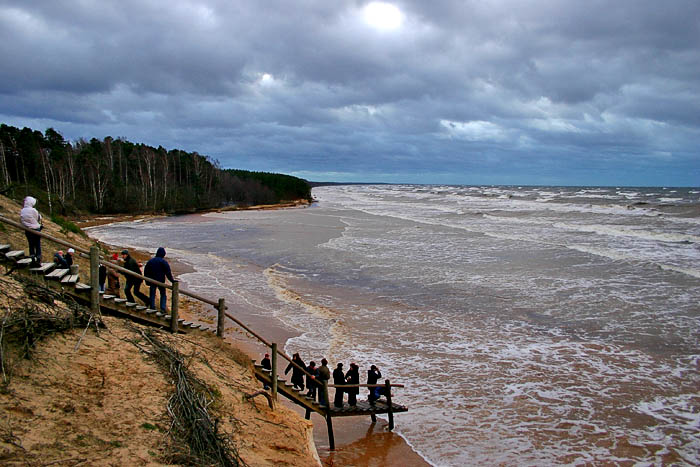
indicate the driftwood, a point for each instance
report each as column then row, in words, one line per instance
column 188, row 407
column 261, row 393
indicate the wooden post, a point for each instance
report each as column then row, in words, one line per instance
column 387, row 393
column 274, row 371
column 221, row 318
column 94, row 279
column 329, row 419
column 308, row 414
column 174, row 306
column 329, row 425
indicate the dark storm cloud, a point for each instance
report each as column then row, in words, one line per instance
column 460, row 92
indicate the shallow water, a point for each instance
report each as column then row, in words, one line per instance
column 531, row 326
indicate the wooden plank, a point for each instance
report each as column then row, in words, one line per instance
column 57, row 274
column 120, row 300
column 44, row 268
column 82, row 287
column 70, row 279
column 24, row 262
column 5, row 247
column 14, row 255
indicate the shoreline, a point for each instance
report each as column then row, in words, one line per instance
column 358, row 442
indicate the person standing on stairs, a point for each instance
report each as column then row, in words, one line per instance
column 131, row 281
column 113, row 278
column 338, row 380
column 158, row 269
column 297, row 371
column 324, row 374
column 30, row 218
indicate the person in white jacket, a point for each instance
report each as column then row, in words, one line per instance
column 30, row 218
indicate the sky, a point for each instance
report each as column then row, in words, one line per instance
column 536, row 92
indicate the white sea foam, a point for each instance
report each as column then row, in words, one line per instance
column 617, row 230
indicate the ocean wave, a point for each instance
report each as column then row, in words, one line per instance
column 622, row 231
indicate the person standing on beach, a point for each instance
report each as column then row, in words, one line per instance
column 131, row 281
column 338, row 380
column 310, row 377
column 373, row 375
column 324, row 374
column 353, row 377
column 297, row 371
column 158, row 269
column 113, row 278
column 30, row 218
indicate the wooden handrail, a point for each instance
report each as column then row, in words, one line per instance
column 86, row 253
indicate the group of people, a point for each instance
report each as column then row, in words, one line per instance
column 157, row 268
column 315, row 376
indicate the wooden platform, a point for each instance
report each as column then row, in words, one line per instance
column 363, row 407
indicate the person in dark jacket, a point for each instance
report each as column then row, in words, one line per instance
column 297, row 373
column 102, row 276
column 353, row 377
column 267, row 365
column 324, row 374
column 69, row 256
column 310, row 379
column 158, row 269
column 338, row 380
column 131, row 281
column 60, row 260
column 373, row 375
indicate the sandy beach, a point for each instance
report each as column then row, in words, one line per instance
column 358, row 442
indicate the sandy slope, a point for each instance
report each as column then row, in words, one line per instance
column 104, row 403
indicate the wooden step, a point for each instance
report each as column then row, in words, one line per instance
column 4, row 248
column 130, row 305
column 14, row 255
column 70, row 279
column 57, row 274
column 140, row 308
column 120, row 300
column 23, row 263
column 150, row 311
column 80, row 287
column 108, row 297
column 44, row 268
column 195, row 326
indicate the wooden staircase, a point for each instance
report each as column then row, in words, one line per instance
column 64, row 281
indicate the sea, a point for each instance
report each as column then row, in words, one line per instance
column 530, row 325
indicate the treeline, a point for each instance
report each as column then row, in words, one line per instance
column 117, row 176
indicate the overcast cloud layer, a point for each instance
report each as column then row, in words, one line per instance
column 506, row 92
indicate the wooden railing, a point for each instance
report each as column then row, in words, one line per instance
column 96, row 260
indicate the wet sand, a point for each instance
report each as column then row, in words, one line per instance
column 358, row 441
